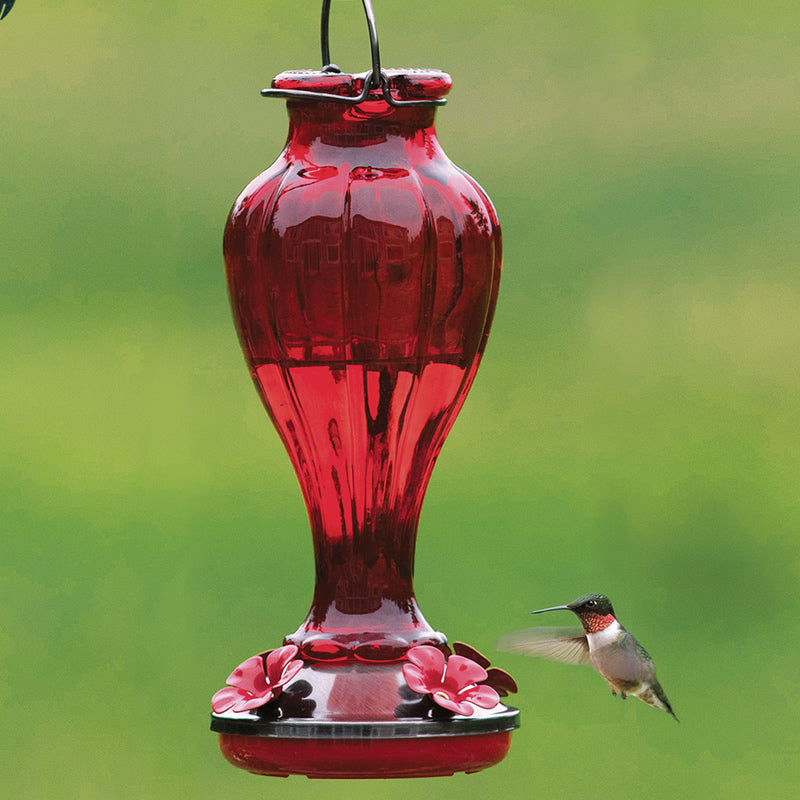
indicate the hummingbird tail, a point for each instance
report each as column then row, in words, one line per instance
column 654, row 695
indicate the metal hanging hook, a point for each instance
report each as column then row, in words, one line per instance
column 375, row 78
column 374, row 47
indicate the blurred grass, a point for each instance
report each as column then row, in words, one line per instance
column 633, row 429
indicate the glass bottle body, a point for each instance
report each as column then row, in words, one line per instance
column 363, row 269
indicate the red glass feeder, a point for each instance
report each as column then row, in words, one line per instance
column 363, row 269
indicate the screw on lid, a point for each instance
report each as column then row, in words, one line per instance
column 396, row 86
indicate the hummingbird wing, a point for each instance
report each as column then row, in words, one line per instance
column 568, row 645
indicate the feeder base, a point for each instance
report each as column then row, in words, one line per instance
column 401, row 749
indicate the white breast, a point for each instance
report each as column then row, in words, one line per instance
column 604, row 637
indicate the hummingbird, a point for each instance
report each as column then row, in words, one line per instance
column 603, row 644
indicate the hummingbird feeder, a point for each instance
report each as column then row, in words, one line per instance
column 363, row 271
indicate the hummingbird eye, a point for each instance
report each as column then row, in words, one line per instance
column 591, row 603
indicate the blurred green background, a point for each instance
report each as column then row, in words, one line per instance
column 633, row 429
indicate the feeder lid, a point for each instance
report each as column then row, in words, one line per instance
column 414, row 86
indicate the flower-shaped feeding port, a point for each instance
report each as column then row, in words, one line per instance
column 454, row 683
column 257, row 681
column 463, row 683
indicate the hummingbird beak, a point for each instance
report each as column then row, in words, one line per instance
column 554, row 608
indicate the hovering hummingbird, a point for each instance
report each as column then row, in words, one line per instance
column 604, row 644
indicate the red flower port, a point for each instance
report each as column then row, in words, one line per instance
column 454, row 683
column 257, row 681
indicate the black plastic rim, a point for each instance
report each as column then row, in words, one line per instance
column 506, row 720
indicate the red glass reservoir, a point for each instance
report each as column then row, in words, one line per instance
column 363, row 269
